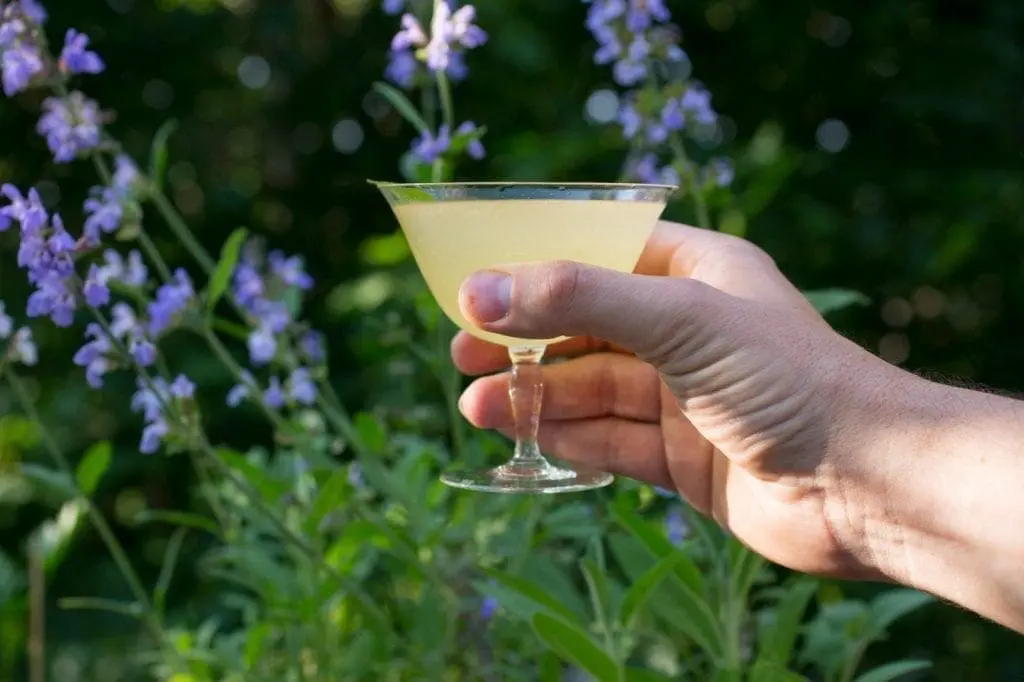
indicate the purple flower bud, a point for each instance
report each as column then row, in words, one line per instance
column 402, row 67
column 312, row 345
column 75, row 58
column 289, row 270
column 675, row 526
column 428, row 148
column 171, row 300
column 142, row 351
column 301, row 388
column 262, row 345
column 488, row 607
column 21, row 64
column 274, row 396
column 94, row 356
column 411, row 35
column 6, row 323
column 240, row 392
column 393, row 6
column 33, row 11
column 104, row 213
column 70, row 126
column 23, row 348
column 722, row 172
column 152, row 436
column 182, row 388
column 26, row 210
column 94, row 289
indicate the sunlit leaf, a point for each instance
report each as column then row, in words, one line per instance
column 576, row 647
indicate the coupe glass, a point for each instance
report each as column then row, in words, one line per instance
column 455, row 229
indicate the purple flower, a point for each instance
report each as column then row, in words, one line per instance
column 240, row 392
column 26, row 210
column 152, row 401
column 488, row 607
column 182, row 387
column 95, row 289
column 171, row 300
column 53, row 297
column 449, row 31
column 393, row 6
column 104, row 211
column 262, row 345
column 675, row 525
column 126, row 174
column 23, row 348
column 94, row 356
column 696, row 102
column 20, row 64
column 133, row 273
column 474, row 148
column 402, row 67
column 71, row 126
column 410, row 35
column 301, row 388
column 274, row 396
column 289, row 270
column 142, row 351
column 722, row 172
column 312, row 346
column 427, row 148
column 33, row 11
column 75, row 58
column 6, row 323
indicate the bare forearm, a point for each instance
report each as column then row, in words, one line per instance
column 952, row 521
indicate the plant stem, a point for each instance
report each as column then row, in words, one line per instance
column 99, row 522
column 701, row 206
column 181, row 231
column 444, row 90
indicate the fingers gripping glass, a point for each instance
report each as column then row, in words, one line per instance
column 456, row 229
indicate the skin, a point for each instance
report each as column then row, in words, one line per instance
column 708, row 372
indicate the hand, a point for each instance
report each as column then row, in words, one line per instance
column 706, row 372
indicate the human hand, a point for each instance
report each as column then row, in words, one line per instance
column 706, row 371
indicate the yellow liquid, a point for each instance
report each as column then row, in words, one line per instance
column 450, row 240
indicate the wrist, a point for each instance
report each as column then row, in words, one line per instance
column 935, row 475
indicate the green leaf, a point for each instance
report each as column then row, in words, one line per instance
column 270, row 489
column 826, row 301
column 92, row 467
column 780, row 633
column 694, row 617
column 221, row 276
column 576, row 647
column 95, row 604
column 550, row 668
column 766, row 671
column 170, row 562
column 54, row 484
column 158, row 153
column 746, row 566
column 658, row 544
column 892, row 671
column 892, row 605
column 600, row 592
column 644, row 675
column 177, row 518
column 537, row 596
column 331, row 496
column 641, row 590
column 370, row 431
column 403, row 106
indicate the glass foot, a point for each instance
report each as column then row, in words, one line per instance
column 510, row 478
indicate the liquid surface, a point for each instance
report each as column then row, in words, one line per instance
column 450, row 240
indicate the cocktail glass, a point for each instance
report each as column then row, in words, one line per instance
column 455, row 229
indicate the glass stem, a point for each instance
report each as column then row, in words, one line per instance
column 526, row 392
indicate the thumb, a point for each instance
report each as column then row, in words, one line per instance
column 647, row 315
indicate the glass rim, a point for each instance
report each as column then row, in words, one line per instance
column 545, row 184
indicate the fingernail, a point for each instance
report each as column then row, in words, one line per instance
column 486, row 296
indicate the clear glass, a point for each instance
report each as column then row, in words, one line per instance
column 455, row 229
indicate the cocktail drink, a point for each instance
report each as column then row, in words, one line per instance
column 456, row 229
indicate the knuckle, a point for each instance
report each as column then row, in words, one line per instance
column 560, row 286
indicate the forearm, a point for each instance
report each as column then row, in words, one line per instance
column 952, row 518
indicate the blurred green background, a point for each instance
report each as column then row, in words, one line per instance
column 880, row 147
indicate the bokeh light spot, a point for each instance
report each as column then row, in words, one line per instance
column 832, row 135
column 347, row 135
column 254, row 72
column 602, row 106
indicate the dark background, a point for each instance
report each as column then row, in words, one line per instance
column 922, row 209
